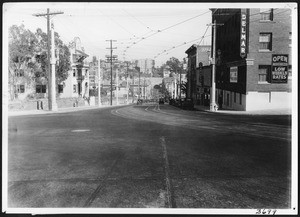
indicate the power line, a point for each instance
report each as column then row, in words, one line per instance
column 209, row 35
column 138, row 20
column 169, row 27
column 117, row 23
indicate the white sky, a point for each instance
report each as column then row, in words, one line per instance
column 94, row 23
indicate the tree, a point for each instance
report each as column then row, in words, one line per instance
column 175, row 65
column 63, row 60
column 21, row 62
column 62, row 56
column 28, row 57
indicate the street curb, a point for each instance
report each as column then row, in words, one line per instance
column 61, row 110
column 256, row 112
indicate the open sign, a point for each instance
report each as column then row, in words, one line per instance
column 279, row 68
column 280, row 59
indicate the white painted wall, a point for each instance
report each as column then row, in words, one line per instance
column 268, row 100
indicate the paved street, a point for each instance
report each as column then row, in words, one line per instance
column 149, row 156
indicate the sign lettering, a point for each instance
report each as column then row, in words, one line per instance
column 279, row 68
column 243, row 38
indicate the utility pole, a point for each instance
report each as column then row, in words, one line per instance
column 133, row 86
column 144, row 88
column 111, row 57
column 139, row 84
column 213, row 83
column 51, row 75
column 53, row 62
column 117, row 86
column 99, row 84
column 180, row 86
column 127, row 82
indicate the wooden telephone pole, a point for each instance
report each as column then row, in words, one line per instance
column 111, row 58
column 213, row 83
column 51, row 79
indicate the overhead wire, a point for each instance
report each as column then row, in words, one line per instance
column 184, row 43
column 166, row 28
column 207, row 36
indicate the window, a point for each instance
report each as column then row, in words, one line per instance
column 20, row 88
column 266, row 14
column 60, row 88
column 265, row 41
column 74, row 72
column 40, row 88
column 290, row 38
column 19, row 73
column 264, row 73
column 74, row 88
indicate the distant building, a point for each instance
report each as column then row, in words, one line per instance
column 166, row 72
column 146, row 65
column 77, row 83
column 198, row 58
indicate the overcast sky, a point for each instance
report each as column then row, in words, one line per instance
column 157, row 31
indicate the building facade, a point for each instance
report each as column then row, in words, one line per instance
column 253, row 58
column 77, row 83
column 198, row 69
column 146, row 65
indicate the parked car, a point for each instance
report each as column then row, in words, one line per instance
column 187, row 104
column 139, row 102
column 161, row 101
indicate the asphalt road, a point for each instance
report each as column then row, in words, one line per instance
column 149, row 156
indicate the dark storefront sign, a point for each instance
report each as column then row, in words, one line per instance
column 243, row 35
column 279, row 68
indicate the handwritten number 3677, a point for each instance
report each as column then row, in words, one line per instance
column 266, row 212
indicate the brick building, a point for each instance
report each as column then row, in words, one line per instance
column 199, row 73
column 253, row 58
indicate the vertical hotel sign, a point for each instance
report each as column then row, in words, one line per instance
column 279, row 68
column 243, row 34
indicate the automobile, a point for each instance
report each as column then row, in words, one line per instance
column 187, row 104
column 161, row 101
column 139, row 102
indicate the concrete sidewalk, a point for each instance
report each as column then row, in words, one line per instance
column 60, row 110
column 279, row 111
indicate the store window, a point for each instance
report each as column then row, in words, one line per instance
column 60, row 88
column 40, row 88
column 266, row 14
column 264, row 73
column 265, row 41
